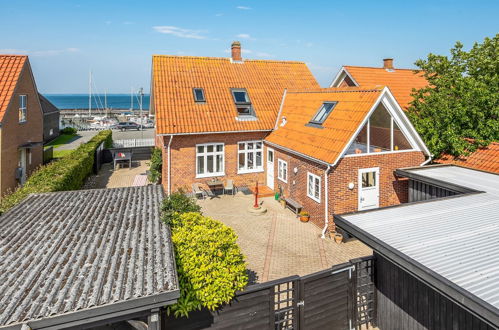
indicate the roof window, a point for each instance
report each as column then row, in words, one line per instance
column 198, row 95
column 243, row 103
column 323, row 112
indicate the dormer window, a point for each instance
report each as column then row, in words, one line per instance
column 199, row 95
column 243, row 103
column 323, row 112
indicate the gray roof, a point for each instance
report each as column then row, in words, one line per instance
column 456, row 238
column 47, row 106
column 84, row 253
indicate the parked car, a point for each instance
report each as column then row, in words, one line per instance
column 123, row 126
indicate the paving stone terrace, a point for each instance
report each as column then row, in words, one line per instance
column 277, row 244
column 119, row 177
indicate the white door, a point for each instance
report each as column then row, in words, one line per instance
column 270, row 168
column 22, row 165
column 368, row 188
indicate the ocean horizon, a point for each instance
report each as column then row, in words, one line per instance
column 114, row 101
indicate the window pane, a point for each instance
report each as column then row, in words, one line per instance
column 380, row 125
column 209, row 148
column 219, row 163
column 310, row 185
column 209, row 164
column 200, row 164
column 244, row 111
column 323, row 112
column 241, row 160
column 249, row 146
column 359, row 145
column 200, row 149
column 240, row 96
column 198, row 94
column 317, row 188
column 259, row 159
column 399, row 140
column 250, row 160
column 270, row 156
column 368, row 179
column 241, row 146
column 220, row 147
column 259, row 145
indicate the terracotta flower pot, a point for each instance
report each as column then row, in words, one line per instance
column 304, row 218
column 338, row 238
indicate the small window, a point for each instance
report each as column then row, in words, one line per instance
column 282, row 170
column 209, row 160
column 22, row 108
column 243, row 103
column 314, row 187
column 323, row 113
column 199, row 95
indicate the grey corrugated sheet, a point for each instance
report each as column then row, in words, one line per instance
column 458, row 237
column 69, row 251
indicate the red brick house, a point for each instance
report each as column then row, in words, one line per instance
column 335, row 150
column 212, row 114
column 400, row 81
column 21, row 122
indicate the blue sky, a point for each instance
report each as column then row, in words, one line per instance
column 115, row 39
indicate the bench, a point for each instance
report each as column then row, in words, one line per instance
column 293, row 205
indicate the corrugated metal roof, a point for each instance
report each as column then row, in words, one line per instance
column 65, row 252
column 457, row 238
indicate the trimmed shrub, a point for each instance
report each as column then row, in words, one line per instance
column 155, row 165
column 210, row 265
column 67, row 173
column 68, row 131
column 176, row 204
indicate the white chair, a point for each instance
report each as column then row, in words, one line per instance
column 197, row 191
column 229, row 186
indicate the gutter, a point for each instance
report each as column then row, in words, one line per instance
column 326, row 201
column 215, row 132
column 169, row 165
column 298, row 153
column 426, row 161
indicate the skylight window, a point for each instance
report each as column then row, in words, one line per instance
column 243, row 103
column 199, row 95
column 323, row 113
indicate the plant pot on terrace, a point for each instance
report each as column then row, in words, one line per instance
column 338, row 238
column 304, row 216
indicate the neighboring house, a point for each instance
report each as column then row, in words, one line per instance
column 212, row 114
column 400, row 81
column 51, row 115
column 335, row 150
column 484, row 159
column 21, row 120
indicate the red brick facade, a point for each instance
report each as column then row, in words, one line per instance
column 183, row 159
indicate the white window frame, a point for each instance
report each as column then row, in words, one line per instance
column 202, row 93
column 247, row 151
column 280, row 175
column 205, row 154
column 23, row 110
column 312, row 194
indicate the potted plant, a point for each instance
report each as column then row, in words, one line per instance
column 304, row 216
column 338, row 238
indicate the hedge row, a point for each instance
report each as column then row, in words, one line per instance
column 67, row 173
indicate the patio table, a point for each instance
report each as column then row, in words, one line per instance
column 215, row 185
column 123, row 157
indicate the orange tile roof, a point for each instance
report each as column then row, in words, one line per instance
column 327, row 143
column 174, row 77
column 484, row 159
column 10, row 69
column 400, row 81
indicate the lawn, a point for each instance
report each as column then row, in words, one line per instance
column 62, row 153
column 61, row 140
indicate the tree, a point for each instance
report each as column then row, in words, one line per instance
column 459, row 109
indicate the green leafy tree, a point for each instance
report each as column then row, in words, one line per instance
column 176, row 204
column 459, row 110
column 156, row 165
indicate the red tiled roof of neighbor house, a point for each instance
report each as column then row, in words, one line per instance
column 400, row 81
column 327, row 142
column 174, row 78
column 10, row 69
column 484, row 159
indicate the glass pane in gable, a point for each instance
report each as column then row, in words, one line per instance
column 359, row 145
column 399, row 140
column 380, row 130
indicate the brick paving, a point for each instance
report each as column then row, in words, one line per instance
column 277, row 244
column 121, row 177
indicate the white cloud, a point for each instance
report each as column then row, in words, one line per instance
column 244, row 36
column 243, row 8
column 179, row 32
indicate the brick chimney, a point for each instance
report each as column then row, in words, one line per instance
column 388, row 63
column 236, row 51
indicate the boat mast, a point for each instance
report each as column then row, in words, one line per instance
column 90, row 94
column 131, row 98
column 141, row 94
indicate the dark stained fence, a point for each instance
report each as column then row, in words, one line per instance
column 421, row 191
column 323, row 300
column 48, row 154
column 98, row 158
column 405, row 302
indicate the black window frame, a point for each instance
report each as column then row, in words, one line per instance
column 195, row 96
column 246, row 104
column 313, row 122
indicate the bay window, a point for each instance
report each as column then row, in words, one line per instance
column 209, row 160
column 249, row 155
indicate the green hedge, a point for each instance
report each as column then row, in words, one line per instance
column 67, row 173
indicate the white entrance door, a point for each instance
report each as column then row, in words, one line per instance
column 22, row 164
column 270, row 168
column 368, row 188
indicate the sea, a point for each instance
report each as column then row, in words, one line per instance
column 114, row 101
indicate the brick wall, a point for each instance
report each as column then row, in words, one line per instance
column 296, row 186
column 183, row 154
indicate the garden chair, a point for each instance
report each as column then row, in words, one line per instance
column 229, row 186
column 197, row 191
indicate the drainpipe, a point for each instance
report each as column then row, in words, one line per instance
column 169, row 166
column 326, row 201
column 426, row 161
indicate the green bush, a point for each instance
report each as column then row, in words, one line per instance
column 176, row 204
column 155, row 165
column 68, row 131
column 67, row 173
column 210, row 265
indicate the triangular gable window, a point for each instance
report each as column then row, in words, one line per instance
column 380, row 134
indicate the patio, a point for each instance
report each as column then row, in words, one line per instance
column 277, row 244
column 119, row 177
